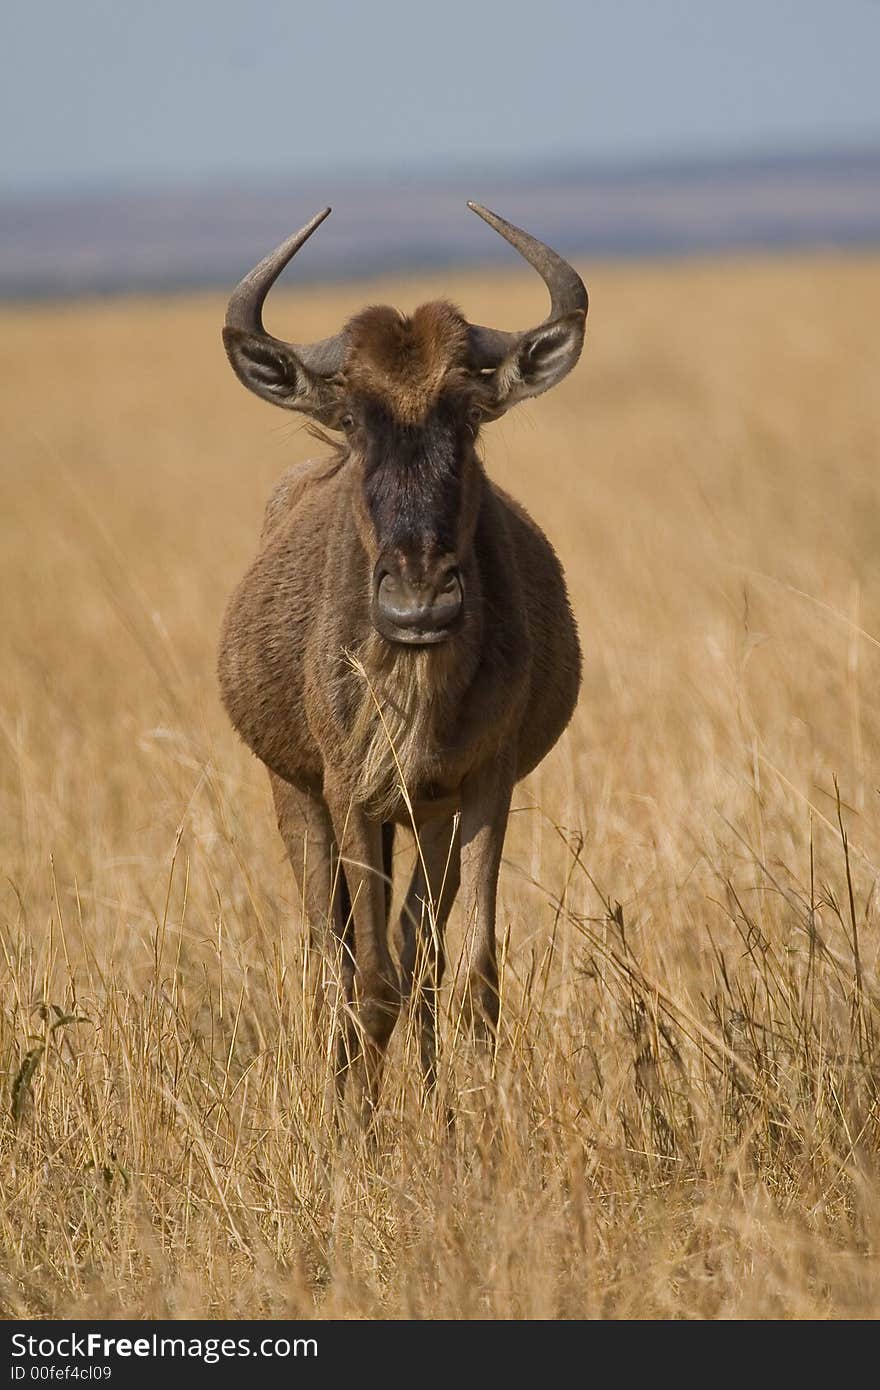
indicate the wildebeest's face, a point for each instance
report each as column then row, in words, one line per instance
column 409, row 394
column 411, row 406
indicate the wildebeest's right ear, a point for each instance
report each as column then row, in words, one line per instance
column 272, row 370
column 541, row 358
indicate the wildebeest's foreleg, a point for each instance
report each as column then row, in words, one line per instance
column 308, row 835
column 431, row 894
column 485, row 804
column 376, row 990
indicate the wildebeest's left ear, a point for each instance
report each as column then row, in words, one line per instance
column 272, row 369
column 539, row 361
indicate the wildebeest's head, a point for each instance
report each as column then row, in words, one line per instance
column 410, row 394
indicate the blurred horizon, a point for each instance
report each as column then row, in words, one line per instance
column 179, row 237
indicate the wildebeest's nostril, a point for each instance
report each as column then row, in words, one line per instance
column 417, row 609
column 448, row 598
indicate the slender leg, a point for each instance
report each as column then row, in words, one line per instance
column 430, row 897
column 484, row 809
column 307, row 831
column 345, row 1043
column 376, row 991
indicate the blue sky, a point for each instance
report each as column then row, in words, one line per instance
column 113, row 93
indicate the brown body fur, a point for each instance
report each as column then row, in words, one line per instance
column 300, row 615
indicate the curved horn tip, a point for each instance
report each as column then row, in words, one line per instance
column 485, row 213
column 316, row 220
column 302, row 236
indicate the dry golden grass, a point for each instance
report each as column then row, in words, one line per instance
column 683, row 1117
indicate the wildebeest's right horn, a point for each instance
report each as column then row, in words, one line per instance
column 568, row 294
column 245, row 310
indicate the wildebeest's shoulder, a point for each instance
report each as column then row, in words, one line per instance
column 291, row 487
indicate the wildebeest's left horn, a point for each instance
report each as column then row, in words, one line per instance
column 568, row 294
column 245, row 310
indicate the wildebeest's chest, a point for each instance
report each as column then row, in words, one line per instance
column 309, row 684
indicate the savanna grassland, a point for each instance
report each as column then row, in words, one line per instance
column 682, row 1116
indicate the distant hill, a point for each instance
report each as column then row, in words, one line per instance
column 182, row 238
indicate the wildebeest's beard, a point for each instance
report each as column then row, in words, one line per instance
column 413, row 486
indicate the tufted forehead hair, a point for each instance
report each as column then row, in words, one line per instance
column 406, row 362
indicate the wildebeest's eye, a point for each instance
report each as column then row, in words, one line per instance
column 474, row 416
column 346, row 422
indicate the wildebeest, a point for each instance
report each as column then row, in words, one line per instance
column 402, row 649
